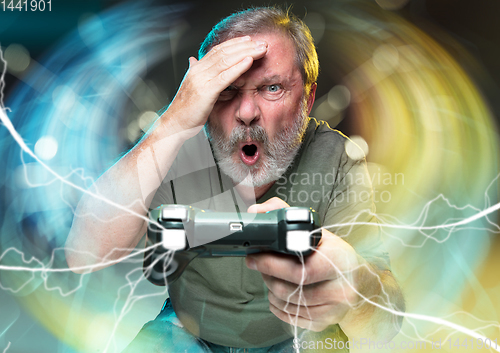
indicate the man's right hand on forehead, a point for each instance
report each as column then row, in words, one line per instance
column 208, row 77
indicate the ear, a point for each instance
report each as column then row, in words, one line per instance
column 310, row 99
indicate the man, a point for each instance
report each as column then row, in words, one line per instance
column 253, row 88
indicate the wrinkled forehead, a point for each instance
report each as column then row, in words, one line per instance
column 279, row 60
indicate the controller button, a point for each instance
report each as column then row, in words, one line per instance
column 298, row 215
column 298, row 240
column 174, row 214
column 173, row 239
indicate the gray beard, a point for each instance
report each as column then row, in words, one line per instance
column 276, row 154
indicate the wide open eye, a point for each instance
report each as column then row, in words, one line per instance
column 273, row 88
column 272, row 92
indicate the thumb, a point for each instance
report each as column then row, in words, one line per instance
column 270, row 205
column 192, row 61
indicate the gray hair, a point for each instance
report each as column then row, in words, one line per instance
column 264, row 20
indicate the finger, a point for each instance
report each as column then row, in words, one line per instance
column 294, row 320
column 227, row 76
column 286, row 267
column 326, row 292
column 298, row 270
column 228, row 49
column 322, row 293
column 225, row 58
column 331, row 313
column 215, row 72
column 192, row 61
column 230, row 42
column 227, row 45
column 270, row 205
column 304, row 311
column 229, row 68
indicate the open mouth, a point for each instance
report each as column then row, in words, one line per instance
column 249, row 153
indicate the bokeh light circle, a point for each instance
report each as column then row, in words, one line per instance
column 46, row 147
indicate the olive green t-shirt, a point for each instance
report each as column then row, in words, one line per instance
column 220, row 299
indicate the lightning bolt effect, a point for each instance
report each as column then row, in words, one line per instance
column 404, row 88
column 6, row 348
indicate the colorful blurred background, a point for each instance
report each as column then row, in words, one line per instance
column 415, row 83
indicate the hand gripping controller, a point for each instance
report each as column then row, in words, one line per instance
column 188, row 232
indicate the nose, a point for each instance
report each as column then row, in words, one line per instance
column 248, row 110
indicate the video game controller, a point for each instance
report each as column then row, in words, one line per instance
column 189, row 232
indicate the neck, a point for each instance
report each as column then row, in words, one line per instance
column 251, row 194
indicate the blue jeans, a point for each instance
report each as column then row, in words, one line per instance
column 166, row 334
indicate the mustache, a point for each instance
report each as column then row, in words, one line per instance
column 238, row 134
column 242, row 134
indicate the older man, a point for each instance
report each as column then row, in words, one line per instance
column 252, row 88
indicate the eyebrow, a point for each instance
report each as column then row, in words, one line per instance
column 268, row 80
column 272, row 79
column 277, row 78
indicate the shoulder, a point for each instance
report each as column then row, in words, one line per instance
column 331, row 147
column 320, row 132
column 321, row 138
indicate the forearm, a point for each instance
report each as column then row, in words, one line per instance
column 115, row 219
column 366, row 320
column 110, row 218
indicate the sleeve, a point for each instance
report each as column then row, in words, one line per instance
column 351, row 213
column 164, row 195
column 194, row 156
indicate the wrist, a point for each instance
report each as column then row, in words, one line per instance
column 173, row 124
column 358, row 321
column 168, row 126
